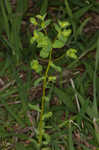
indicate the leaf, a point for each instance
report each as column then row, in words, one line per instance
column 44, row 53
column 46, row 48
column 41, row 17
column 32, row 40
column 57, row 28
column 38, row 35
column 37, row 82
column 42, row 41
column 61, row 37
column 58, row 44
column 57, row 68
column 66, row 33
column 33, row 21
column 63, row 24
column 45, row 23
column 47, row 115
column 36, row 66
column 34, row 107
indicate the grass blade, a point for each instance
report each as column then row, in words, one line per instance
column 5, row 17
column 44, row 7
column 12, row 113
column 78, row 14
column 8, row 7
column 94, row 80
column 69, row 11
column 71, row 147
column 83, row 24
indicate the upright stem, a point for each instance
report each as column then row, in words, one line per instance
column 43, row 99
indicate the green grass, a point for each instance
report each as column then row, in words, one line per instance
column 74, row 124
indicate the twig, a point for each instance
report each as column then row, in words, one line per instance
column 76, row 97
column 11, row 103
column 1, row 81
column 7, row 85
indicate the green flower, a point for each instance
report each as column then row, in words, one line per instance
column 36, row 66
column 33, row 21
column 72, row 53
column 41, row 17
column 63, row 24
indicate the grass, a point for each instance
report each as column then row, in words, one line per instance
column 74, row 123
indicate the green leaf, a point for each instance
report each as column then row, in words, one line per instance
column 33, row 21
column 66, row 33
column 61, row 37
column 52, row 78
column 38, row 35
column 36, row 82
column 63, row 24
column 57, row 28
column 41, row 17
column 34, row 107
column 44, row 24
column 57, row 68
column 47, row 115
column 46, row 47
column 36, row 66
column 42, row 42
column 44, row 53
column 32, row 40
column 58, row 44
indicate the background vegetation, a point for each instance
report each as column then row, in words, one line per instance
column 71, row 117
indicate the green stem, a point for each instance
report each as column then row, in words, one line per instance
column 43, row 100
column 62, row 56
